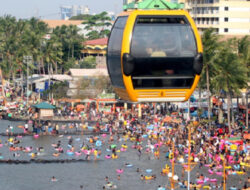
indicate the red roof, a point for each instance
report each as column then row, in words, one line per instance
column 100, row 41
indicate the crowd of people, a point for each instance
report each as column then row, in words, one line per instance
column 218, row 151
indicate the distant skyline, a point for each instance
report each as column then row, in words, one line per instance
column 50, row 9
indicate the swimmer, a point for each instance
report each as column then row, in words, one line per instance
column 118, row 177
column 53, row 179
column 142, row 177
column 106, row 178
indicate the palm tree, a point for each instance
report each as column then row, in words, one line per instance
column 98, row 25
column 230, row 75
column 244, row 55
column 211, row 45
column 7, row 39
column 53, row 52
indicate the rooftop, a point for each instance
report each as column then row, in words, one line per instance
column 55, row 23
column 100, row 41
column 88, row 72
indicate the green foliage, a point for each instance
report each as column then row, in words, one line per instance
column 68, row 64
column 88, row 63
column 98, row 26
column 81, row 17
column 19, row 38
column 230, row 75
column 59, row 90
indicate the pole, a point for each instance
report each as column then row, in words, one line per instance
column 189, row 108
column 224, row 175
column 189, row 152
column 27, row 89
column 139, row 111
column 172, row 178
column 247, row 110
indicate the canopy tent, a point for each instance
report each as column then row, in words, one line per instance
column 43, row 105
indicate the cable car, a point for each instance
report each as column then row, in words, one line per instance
column 154, row 56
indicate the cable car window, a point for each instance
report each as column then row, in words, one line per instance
column 114, row 52
column 163, row 49
column 171, row 36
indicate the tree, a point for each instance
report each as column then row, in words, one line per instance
column 244, row 56
column 81, row 17
column 211, row 45
column 98, row 26
column 88, row 63
column 230, row 75
column 53, row 52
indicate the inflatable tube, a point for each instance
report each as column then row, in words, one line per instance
column 240, row 173
column 206, row 187
column 232, row 188
column 148, row 170
column 144, row 136
column 119, row 171
column 1, row 145
column 104, row 135
column 107, row 156
column 242, row 163
column 123, row 149
column 210, row 171
column 148, row 177
column 213, row 180
column 36, row 136
column 218, row 173
column 124, row 146
column 90, row 128
column 70, row 153
column 19, row 136
column 1, row 157
column 200, row 181
column 108, row 150
column 98, row 143
column 129, row 165
column 78, row 153
column 165, row 171
column 219, row 167
column 207, row 165
column 78, row 139
column 206, row 179
column 56, row 154
column 228, row 167
column 236, row 167
column 114, row 156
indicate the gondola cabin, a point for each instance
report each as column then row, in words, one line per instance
column 154, row 56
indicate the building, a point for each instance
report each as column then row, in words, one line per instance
column 228, row 17
column 74, row 10
column 54, row 23
column 95, row 47
column 78, row 74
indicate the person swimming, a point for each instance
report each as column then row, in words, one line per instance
column 53, row 179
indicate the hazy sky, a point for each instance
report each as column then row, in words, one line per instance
column 50, row 9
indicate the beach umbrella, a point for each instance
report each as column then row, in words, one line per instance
column 113, row 146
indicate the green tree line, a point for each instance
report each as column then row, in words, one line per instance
column 52, row 50
column 226, row 67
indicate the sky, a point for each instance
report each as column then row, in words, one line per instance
column 50, row 9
